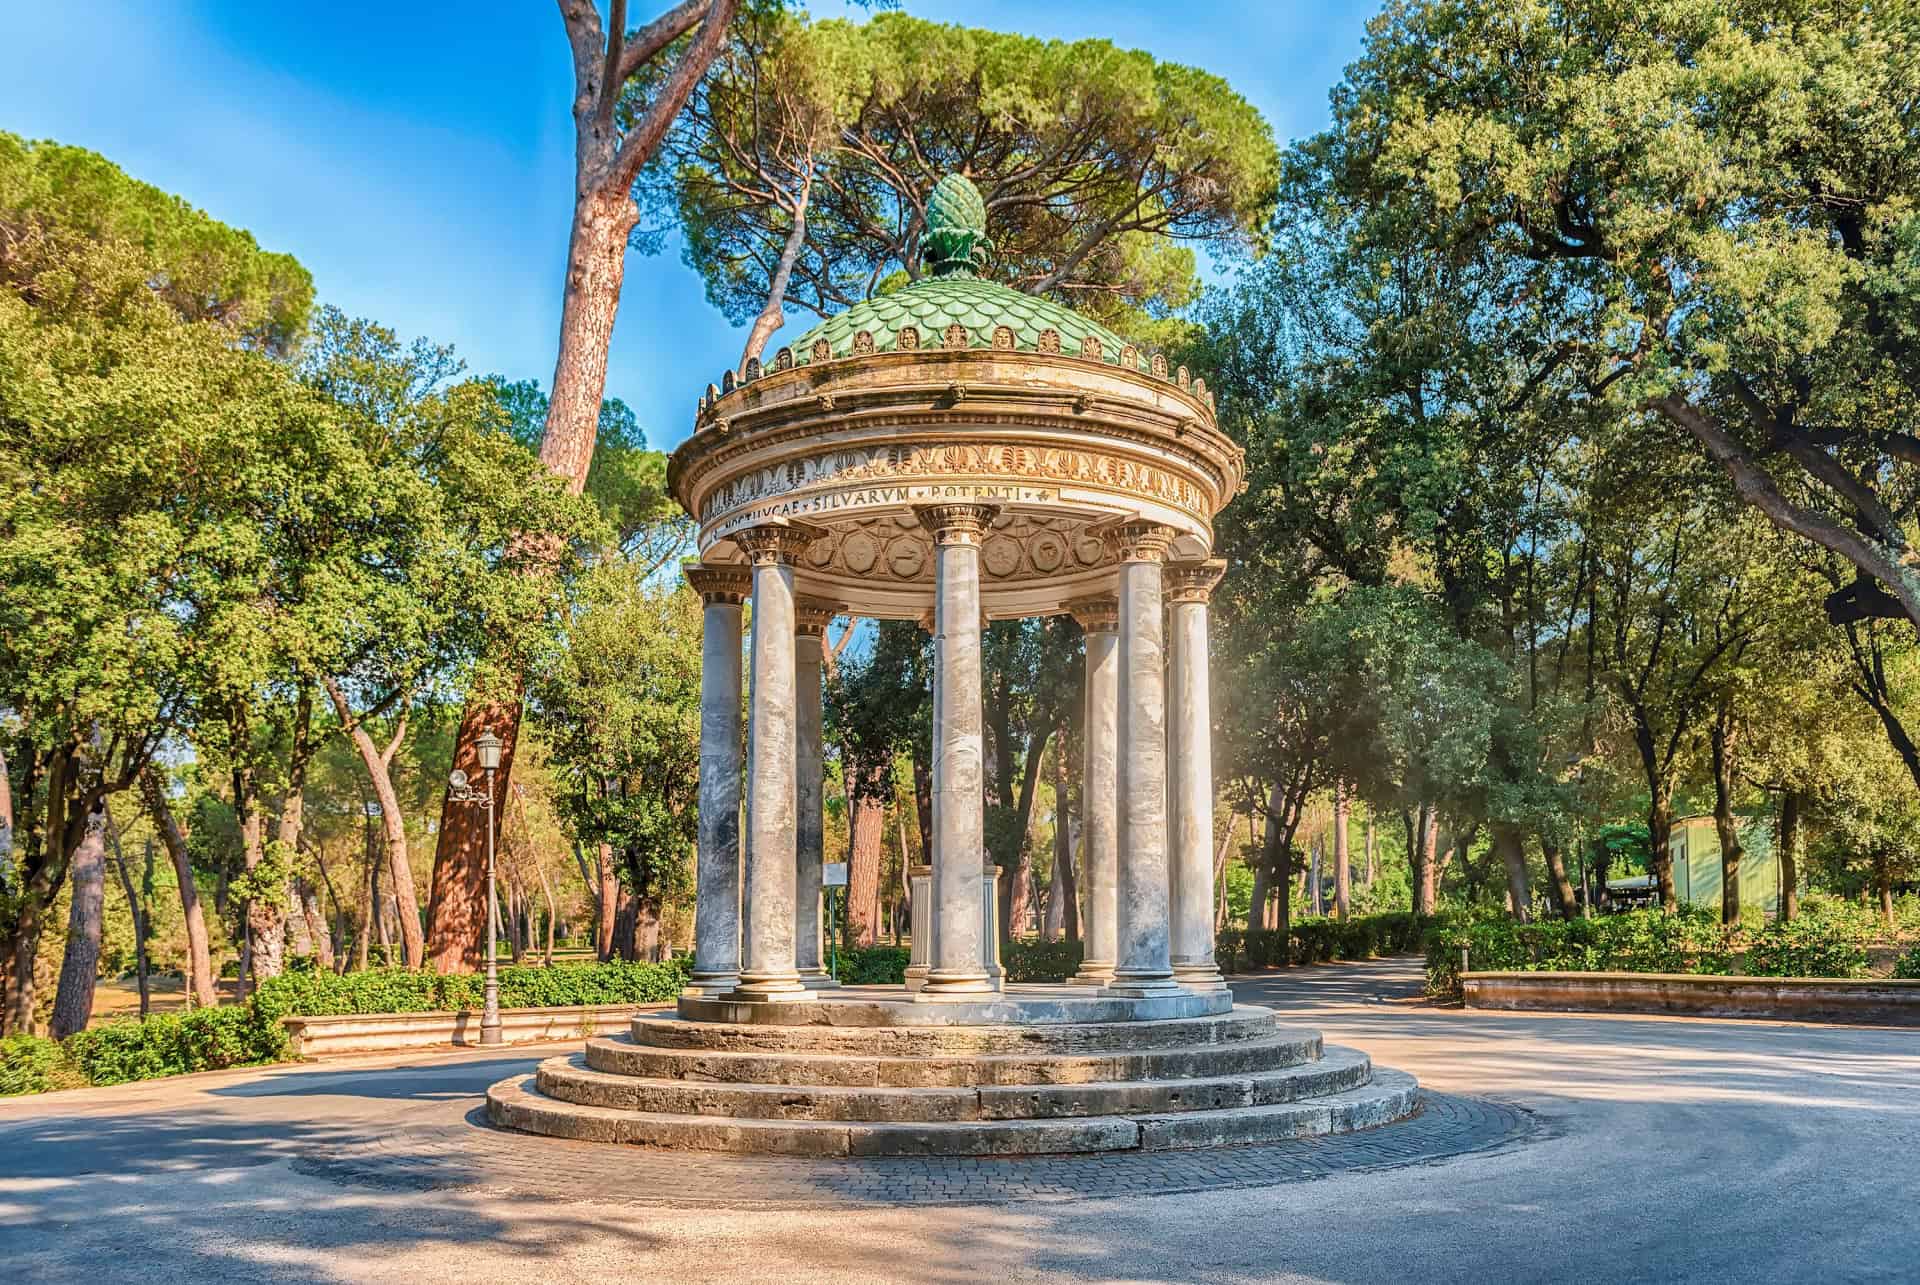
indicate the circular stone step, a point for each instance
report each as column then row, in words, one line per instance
column 569, row 1079
column 1242, row 1023
column 1028, row 1005
column 1283, row 1046
column 516, row 1103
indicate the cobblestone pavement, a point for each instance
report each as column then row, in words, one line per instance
column 473, row 1155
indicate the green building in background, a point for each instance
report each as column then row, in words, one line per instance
column 1696, row 862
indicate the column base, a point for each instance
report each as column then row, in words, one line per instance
column 1199, row 977
column 916, row 976
column 711, row 985
column 1152, row 986
column 771, row 990
column 947, row 986
column 1093, row 972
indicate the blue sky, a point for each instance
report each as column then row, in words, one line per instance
column 418, row 157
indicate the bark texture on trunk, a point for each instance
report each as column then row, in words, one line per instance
column 1660, row 832
column 379, row 767
column 866, row 836
column 1063, row 892
column 456, row 903
column 80, row 966
column 608, row 926
column 1511, row 845
column 199, row 953
column 1789, row 855
column 1342, row 863
column 1420, row 849
column 1559, row 883
column 1724, row 824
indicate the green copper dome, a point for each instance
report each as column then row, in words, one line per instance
column 953, row 308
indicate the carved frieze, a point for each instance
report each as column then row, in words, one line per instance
column 858, row 465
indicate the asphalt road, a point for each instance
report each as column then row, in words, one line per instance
column 1665, row 1149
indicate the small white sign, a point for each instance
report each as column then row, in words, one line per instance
column 834, row 874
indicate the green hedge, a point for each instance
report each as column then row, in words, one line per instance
column 201, row 1039
column 1907, row 967
column 1828, row 939
column 309, row 993
column 1312, row 941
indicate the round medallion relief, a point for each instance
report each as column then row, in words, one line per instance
column 1001, row 556
column 1046, row 550
column 859, row 552
column 1089, row 550
column 820, row 552
column 905, row 557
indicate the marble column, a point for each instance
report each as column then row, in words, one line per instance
column 716, row 910
column 1099, row 865
column 1143, row 967
column 956, row 967
column 1189, row 585
column 772, row 851
column 811, row 617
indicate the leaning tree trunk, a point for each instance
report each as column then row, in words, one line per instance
column 80, row 967
column 393, row 826
column 1511, row 844
column 1559, row 883
column 199, row 953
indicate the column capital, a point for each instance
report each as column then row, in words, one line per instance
column 1138, row 540
column 717, row 583
column 1097, row 615
column 771, row 545
column 1194, row 581
column 957, row 523
column 811, row 616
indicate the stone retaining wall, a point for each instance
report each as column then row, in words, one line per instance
column 1800, row 999
column 379, row 1032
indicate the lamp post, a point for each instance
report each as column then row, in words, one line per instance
column 487, row 746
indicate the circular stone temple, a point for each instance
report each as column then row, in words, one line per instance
column 952, row 453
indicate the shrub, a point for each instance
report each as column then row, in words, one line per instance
column 1041, row 961
column 1816, row 944
column 1906, row 968
column 34, row 1064
column 1642, row 941
column 1320, row 940
column 873, row 966
column 201, row 1039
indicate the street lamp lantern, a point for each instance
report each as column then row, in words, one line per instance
column 488, row 746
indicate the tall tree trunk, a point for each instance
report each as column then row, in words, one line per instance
column 1257, row 907
column 1789, row 855
column 1720, row 739
column 1342, row 865
column 646, row 929
column 1063, row 891
column 1372, row 870
column 80, row 967
column 1660, row 832
column 1420, row 835
column 456, row 903
column 136, row 907
column 546, row 895
column 379, row 768
column 1559, row 883
column 200, row 981
column 1511, row 845
column 608, row 926
column 316, row 916
column 1883, row 887
column 369, row 904
column 866, row 836
column 774, row 315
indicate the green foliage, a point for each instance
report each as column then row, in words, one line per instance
column 1096, row 162
column 874, row 966
column 1907, row 967
column 1041, row 961
column 310, row 993
column 1644, row 941
column 201, row 1039
column 1323, row 940
column 1811, row 945
column 35, row 1064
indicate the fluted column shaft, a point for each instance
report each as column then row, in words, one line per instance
column 716, row 912
column 1099, row 792
column 959, row 813
column 812, row 617
column 1190, row 796
column 767, row 971
column 1144, row 966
